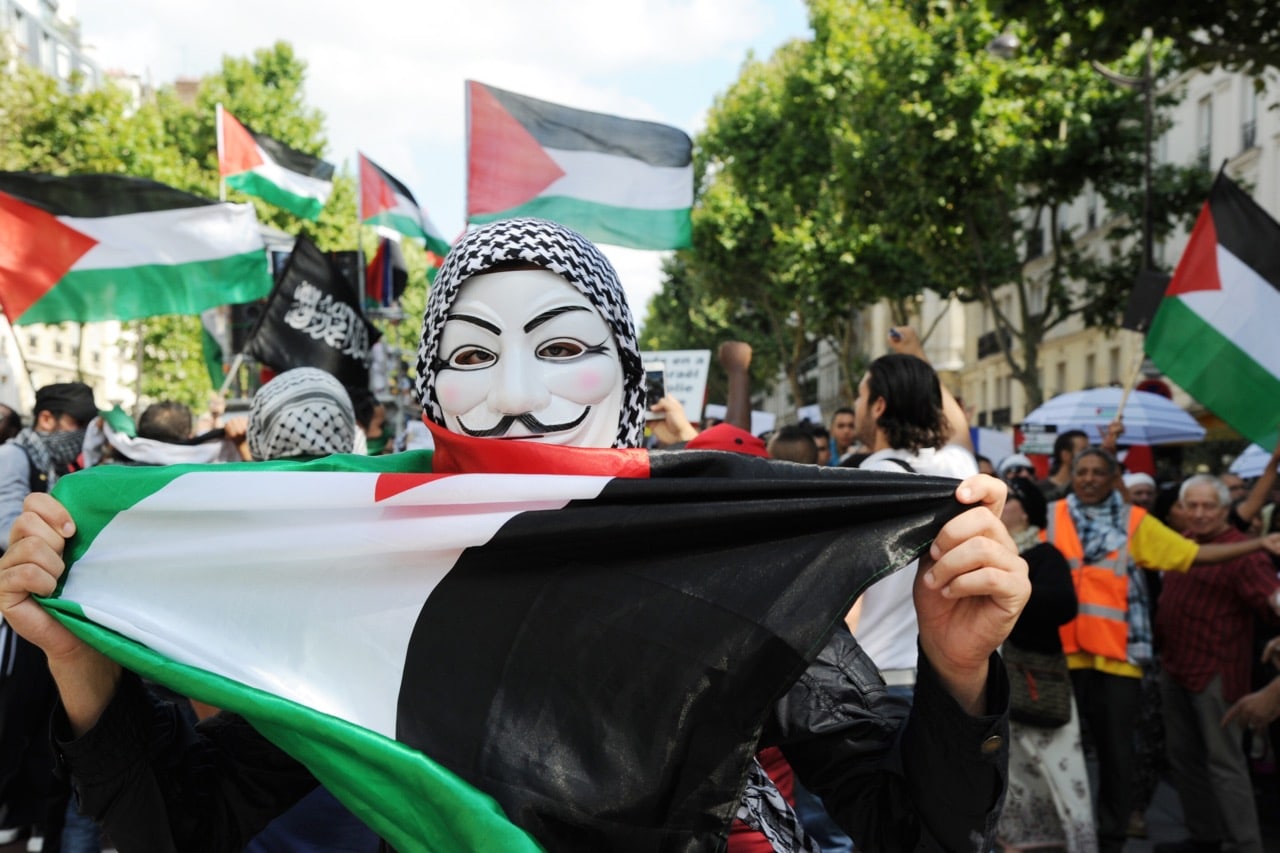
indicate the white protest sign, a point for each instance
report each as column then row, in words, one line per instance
column 686, row 376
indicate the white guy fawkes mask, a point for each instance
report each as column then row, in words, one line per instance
column 523, row 354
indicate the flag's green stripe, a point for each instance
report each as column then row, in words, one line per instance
column 438, row 245
column 92, row 295
column 81, row 492
column 617, row 226
column 1215, row 371
column 252, row 183
column 211, row 351
column 409, row 800
column 398, row 222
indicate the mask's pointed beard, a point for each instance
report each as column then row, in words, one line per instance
column 530, row 423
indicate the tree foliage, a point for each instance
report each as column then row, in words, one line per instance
column 893, row 154
column 1240, row 35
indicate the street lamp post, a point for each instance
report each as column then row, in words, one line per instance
column 1146, row 85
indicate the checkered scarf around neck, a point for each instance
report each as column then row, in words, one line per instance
column 51, row 453
column 301, row 412
column 1102, row 527
column 551, row 247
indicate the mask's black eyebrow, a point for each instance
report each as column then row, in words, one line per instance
column 476, row 321
column 547, row 315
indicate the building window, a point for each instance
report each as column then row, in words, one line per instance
column 1204, row 132
column 1035, row 243
column 1248, row 116
column 1091, row 209
column 32, row 341
column 1060, row 377
column 57, row 347
column 1090, row 370
column 1113, row 365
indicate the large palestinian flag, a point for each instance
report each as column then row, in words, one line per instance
column 1215, row 331
column 387, row 203
column 108, row 247
column 258, row 165
column 526, row 644
column 618, row 181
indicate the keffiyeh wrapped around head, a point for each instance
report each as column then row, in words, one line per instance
column 301, row 412
column 551, row 247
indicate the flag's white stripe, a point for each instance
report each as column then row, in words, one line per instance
column 300, row 185
column 323, row 610
column 621, row 181
column 1244, row 311
column 168, row 237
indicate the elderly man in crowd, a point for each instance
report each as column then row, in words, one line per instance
column 1205, row 627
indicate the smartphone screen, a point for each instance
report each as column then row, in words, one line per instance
column 655, row 387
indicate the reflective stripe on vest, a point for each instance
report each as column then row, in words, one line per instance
column 1101, row 625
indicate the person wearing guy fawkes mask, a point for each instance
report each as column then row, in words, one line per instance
column 527, row 337
column 43, row 452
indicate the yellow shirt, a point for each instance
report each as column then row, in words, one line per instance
column 1154, row 546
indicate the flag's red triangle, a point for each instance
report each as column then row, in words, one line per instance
column 376, row 195
column 1198, row 268
column 36, row 252
column 464, row 454
column 506, row 166
column 390, row 485
column 239, row 150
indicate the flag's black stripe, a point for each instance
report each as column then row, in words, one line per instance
column 400, row 188
column 566, row 129
column 1245, row 229
column 604, row 670
column 95, row 195
column 294, row 160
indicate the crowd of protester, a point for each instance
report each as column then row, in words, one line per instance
column 1154, row 616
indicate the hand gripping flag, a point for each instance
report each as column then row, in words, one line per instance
column 86, row 248
column 503, row 645
column 1214, row 333
column 616, row 180
column 313, row 318
column 258, row 165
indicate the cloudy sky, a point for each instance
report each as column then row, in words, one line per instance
column 388, row 74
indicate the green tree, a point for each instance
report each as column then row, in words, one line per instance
column 893, row 154
column 1242, row 35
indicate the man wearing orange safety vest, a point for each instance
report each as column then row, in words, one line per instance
column 1106, row 540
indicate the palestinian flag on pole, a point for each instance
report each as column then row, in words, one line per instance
column 387, row 203
column 616, row 180
column 1214, row 333
column 86, row 248
column 580, row 659
column 267, row 168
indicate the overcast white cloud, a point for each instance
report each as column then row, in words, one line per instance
column 388, row 74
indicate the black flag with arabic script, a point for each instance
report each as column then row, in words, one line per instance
column 313, row 319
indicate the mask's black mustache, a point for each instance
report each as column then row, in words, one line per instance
column 529, row 421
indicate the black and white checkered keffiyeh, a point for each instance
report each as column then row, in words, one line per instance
column 301, row 412
column 764, row 809
column 551, row 247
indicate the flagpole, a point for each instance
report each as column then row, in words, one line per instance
column 231, row 374
column 222, row 181
column 1131, row 382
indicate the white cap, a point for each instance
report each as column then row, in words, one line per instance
column 1014, row 460
column 1139, row 479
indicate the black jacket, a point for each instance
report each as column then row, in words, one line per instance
column 934, row 783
